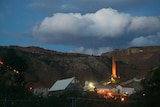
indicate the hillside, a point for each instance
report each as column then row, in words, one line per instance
column 44, row 67
column 142, row 58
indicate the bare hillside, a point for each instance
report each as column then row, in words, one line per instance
column 44, row 67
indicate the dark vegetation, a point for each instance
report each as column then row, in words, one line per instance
column 150, row 95
column 12, row 83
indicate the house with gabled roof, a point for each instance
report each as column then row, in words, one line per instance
column 136, row 83
column 129, row 87
column 65, row 84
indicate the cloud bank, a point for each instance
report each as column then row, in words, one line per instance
column 103, row 23
column 95, row 30
column 146, row 40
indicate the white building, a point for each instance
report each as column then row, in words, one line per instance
column 65, row 84
column 136, row 83
column 41, row 92
column 125, row 90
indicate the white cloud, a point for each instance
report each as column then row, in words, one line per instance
column 90, row 51
column 144, row 24
column 103, row 23
column 108, row 22
column 97, row 29
column 146, row 40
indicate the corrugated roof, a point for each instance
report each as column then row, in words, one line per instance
column 61, row 84
column 131, row 81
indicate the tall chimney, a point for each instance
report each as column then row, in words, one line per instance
column 114, row 75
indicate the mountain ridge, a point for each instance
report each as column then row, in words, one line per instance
column 44, row 67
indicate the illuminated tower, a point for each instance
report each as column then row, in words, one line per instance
column 114, row 78
column 114, row 75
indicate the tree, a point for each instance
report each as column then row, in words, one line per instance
column 12, row 76
column 151, row 88
column 13, row 60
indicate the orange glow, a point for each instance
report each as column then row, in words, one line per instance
column 110, row 94
column 1, row 62
column 114, row 67
column 30, row 88
column 101, row 91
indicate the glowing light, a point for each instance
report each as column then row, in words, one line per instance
column 100, row 91
column 30, row 88
column 110, row 94
column 15, row 71
column 1, row 62
column 114, row 67
column 122, row 99
column 91, row 85
column 113, row 80
column 126, row 94
column 143, row 94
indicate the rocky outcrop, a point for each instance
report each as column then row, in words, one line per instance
column 142, row 58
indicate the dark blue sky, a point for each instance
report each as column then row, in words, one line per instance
column 84, row 26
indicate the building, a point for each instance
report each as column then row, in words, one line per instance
column 41, row 92
column 125, row 90
column 65, row 84
column 136, row 83
column 104, row 89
